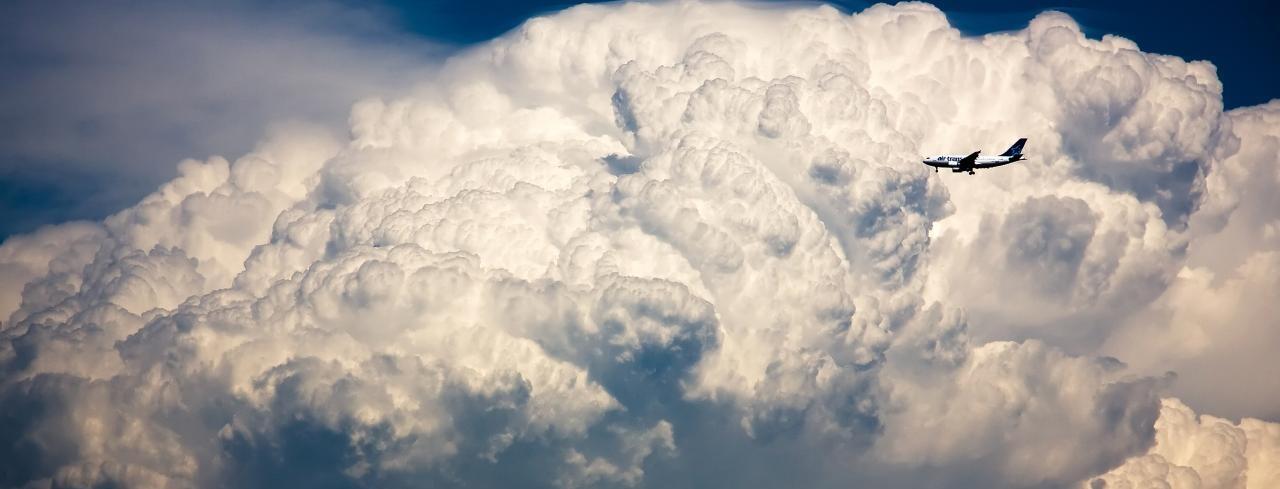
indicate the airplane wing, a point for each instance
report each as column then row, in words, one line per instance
column 967, row 161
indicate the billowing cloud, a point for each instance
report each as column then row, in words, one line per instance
column 1194, row 451
column 672, row 244
column 1218, row 317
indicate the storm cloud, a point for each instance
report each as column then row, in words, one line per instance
column 681, row 245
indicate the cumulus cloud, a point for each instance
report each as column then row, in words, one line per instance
column 1202, row 451
column 675, row 244
column 1217, row 319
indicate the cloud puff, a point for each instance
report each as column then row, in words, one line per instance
column 648, row 245
column 1194, row 451
column 1031, row 414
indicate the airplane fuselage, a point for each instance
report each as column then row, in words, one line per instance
column 969, row 163
column 953, row 161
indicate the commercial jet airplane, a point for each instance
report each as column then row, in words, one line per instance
column 972, row 162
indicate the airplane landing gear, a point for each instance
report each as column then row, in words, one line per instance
column 971, row 172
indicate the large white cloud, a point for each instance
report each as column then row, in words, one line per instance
column 1218, row 319
column 657, row 244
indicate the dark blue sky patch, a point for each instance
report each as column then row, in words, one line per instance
column 462, row 23
column 35, row 193
column 1240, row 38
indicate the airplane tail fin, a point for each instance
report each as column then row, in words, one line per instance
column 1016, row 149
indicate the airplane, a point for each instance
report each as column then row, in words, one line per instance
column 972, row 162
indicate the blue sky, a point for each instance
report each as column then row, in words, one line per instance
column 83, row 138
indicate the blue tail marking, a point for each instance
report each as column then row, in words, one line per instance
column 1016, row 149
